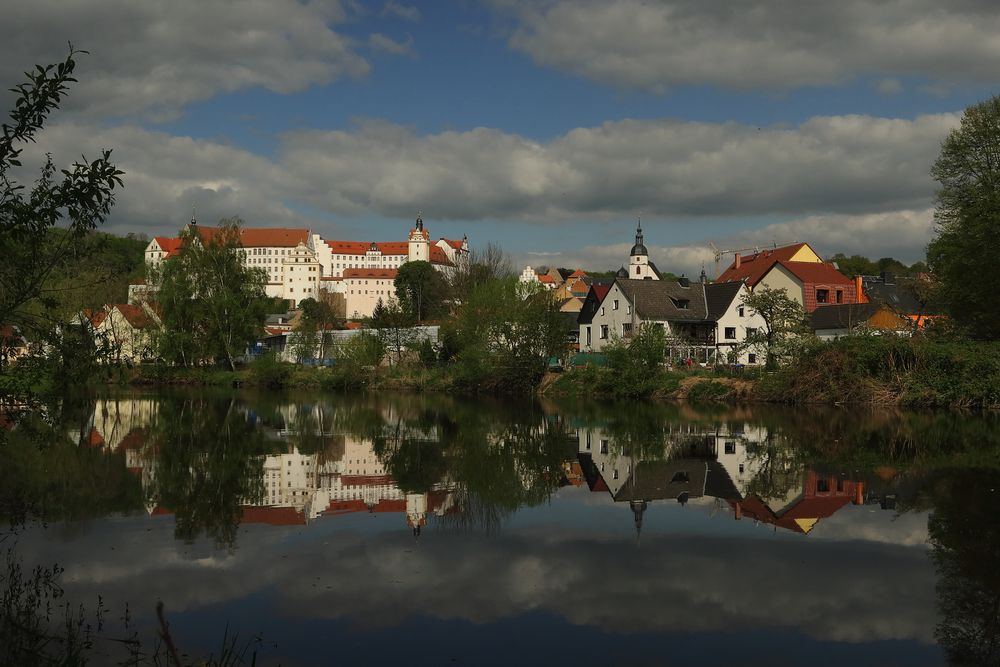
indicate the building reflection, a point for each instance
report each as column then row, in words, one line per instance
column 341, row 475
column 739, row 467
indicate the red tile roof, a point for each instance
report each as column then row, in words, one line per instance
column 545, row 279
column 94, row 438
column 579, row 273
column 360, row 247
column 354, row 325
column 601, row 290
column 753, row 267
column 813, row 272
column 457, row 245
column 168, row 245
column 369, row 273
column 390, row 506
column 438, row 257
column 135, row 315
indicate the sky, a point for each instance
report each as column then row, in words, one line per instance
column 548, row 127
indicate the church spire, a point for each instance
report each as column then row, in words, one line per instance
column 420, row 221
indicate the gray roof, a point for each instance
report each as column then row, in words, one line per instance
column 661, row 299
column 662, row 480
column 843, row 316
column 900, row 297
column 719, row 296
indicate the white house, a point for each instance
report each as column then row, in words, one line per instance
column 707, row 322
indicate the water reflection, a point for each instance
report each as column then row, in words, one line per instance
column 754, row 525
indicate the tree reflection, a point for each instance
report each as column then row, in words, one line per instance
column 965, row 536
column 209, row 463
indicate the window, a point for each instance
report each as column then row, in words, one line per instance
column 683, row 303
column 822, row 296
column 626, row 329
column 604, row 446
column 822, row 486
column 602, row 310
column 604, row 332
column 628, row 309
column 588, row 440
column 636, row 269
column 751, row 358
column 615, row 475
column 741, row 311
column 680, row 477
column 588, row 335
column 730, row 333
column 730, row 447
column 614, row 306
column 840, row 296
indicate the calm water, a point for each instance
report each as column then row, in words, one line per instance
column 426, row 530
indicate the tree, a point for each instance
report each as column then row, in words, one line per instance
column 504, row 335
column 784, row 321
column 77, row 200
column 421, row 290
column 963, row 254
column 311, row 332
column 213, row 303
column 394, row 327
column 478, row 268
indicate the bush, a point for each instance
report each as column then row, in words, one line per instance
column 268, row 371
column 710, row 391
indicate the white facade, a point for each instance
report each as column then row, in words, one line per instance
column 363, row 290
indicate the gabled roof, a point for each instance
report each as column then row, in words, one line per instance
column 843, row 315
column 457, row 245
column 816, row 272
column 901, row 297
column 753, row 267
column 719, row 297
column 171, row 246
column 592, row 302
column 661, row 299
column 437, row 256
column 134, row 315
column 370, row 273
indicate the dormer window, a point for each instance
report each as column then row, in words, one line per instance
column 683, row 304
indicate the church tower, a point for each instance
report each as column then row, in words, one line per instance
column 639, row 267
column 419, row 246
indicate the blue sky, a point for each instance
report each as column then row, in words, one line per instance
column 547, row 127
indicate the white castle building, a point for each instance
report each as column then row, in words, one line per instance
column 300, row 264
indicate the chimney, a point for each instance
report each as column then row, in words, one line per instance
column 859, row 290
column 738, row 259
column 738, row 510
column 859, row 493
column 683, row 282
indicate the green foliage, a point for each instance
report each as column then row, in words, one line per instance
column 421, row 290
column 890, row 370
column 503, row 336
column 213, row 303
column 363, row 351
column 394, row 327
column 268, row 371
column 312, row 338
column 784, row 323
column 963, row 254
column 858, row 265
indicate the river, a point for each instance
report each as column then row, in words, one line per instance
column 424, row 529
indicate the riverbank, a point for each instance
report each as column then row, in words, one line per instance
column 860, row 370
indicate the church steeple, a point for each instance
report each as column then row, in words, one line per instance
column 639, row 267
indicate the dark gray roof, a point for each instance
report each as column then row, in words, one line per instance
column 900, row 296
column 662, row 480
column 661, row 300
column 843, row 316
column 719, row 296
column 719, row 484
column 656, row 270
column 622, row 272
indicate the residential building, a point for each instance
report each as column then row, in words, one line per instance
column 125, row 333
column 707, row 322
column 906, row 296
column 797, row 269
column 13, row 345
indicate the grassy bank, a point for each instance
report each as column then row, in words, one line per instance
column 886, row 370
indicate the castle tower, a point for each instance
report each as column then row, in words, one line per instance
column 419, row 247
column 639, row 268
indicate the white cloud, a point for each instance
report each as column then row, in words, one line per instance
column 379, row 42
column 405, row 12
column 156, row 57
column 773, row 44
column 845, row 182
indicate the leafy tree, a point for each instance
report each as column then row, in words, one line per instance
column 635, row 361
column 421, row 290
column 312, row 336
column 963, row 254
column 394, row 327
column 504, row 335
column 213, row 303
column 76, row 199
column 784, row 322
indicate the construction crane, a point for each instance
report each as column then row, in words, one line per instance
column 756, row 249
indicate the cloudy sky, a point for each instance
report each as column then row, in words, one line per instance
column 547, row 126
